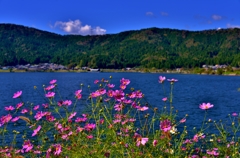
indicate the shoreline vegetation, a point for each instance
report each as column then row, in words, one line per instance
column 199, row 71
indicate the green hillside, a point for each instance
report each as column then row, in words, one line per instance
column 152, row 47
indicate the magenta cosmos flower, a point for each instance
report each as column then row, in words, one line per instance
column 53, row 81
column 172, row 80
column 205, row 106
column 161, row 79
column 124, row 81
column 50, row 94
column 58, row 149
column 165, row 125
column 17, row 94
column 27, row 146
column 35, row 132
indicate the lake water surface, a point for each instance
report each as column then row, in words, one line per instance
column 189, row 91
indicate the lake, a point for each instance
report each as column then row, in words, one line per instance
column 190, row 90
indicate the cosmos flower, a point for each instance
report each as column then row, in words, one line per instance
column 17, row 94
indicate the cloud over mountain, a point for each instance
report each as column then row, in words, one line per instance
column 76, row 27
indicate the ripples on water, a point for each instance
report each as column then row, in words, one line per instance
column 189, row 91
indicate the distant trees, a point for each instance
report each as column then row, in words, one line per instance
column 149, row 48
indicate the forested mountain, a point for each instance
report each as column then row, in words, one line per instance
column 152, row 47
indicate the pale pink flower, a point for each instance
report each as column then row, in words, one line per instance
column 35, row 132
column 161, row 79
column 172, row 80
column 39, row 115
column 125, row 81
column 140, row 139
column 81, row 119
column 53, row 81
column 143, row 108
column 164, row 99
column 182, row 120
column 234, row 114
column 79, row 129
column 45, row 105
column 50, row 94
column 165, row 125
column 17, row 94
column 205, row 106
column 9, row 108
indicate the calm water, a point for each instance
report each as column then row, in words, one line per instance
column 189, row 91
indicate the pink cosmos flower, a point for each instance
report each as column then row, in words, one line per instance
column 19, row 105
column 118, row 95
column 102, row 91
column 35, row 132
column 27, row 146
column 58, row 149
column 125, row 81
column 234, row 114
column 140, row 139
column 79, row 129
column 24, row 111
column 39, row 115
column 72, row 115
column 89, row 126
column 172, row 80
column 78, row 94
column 161, row 79
column 96, row 81
column 164, row 99
column 36, row 107
column 17, row 94
column 89, row 136
column 118, row 107
column 53, row 81
column 9, row 108
column 165, row 125
column 5, row 119
column 45, row 105
column 110, row 85
column 143, row 108
column 155, row 142
column 110, row 93
column 205, row 106
column 122, row 86
column 182, row 120
column 95, row 94
column 15, row 119
column 67, row 102
column 132, row 95
column 81, row 119
column 50, row 87
column 50, row 118
column 50, row 94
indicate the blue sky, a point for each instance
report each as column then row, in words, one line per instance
column 91, row 17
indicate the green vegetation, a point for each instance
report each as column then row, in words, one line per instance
column 146, row 48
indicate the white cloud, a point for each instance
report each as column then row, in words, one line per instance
column 76, row 27
column 164, row 13
column 149, row 13
column 216, row 17
column 233, row 26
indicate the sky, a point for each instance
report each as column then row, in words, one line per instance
column 98, row 17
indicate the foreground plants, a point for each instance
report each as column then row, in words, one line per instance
column 116, row 122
